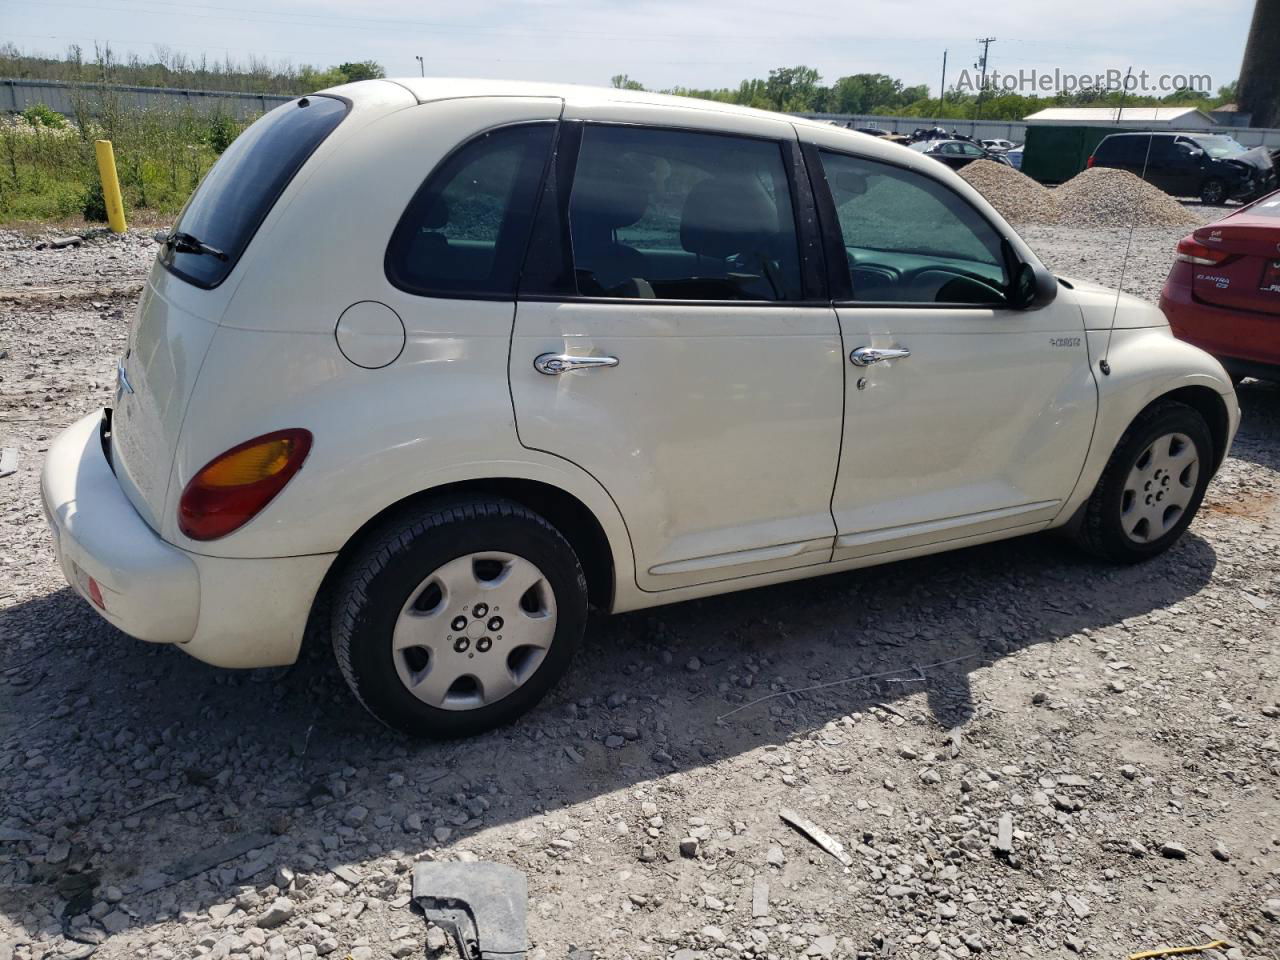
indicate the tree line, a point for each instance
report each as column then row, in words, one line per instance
column 801, row 90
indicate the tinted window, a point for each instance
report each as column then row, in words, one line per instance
column 465, row 231
column 910, row 239
column 237, row 194
column 685, row 216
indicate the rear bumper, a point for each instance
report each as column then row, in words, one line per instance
column 234, row 613
column 1245, row 342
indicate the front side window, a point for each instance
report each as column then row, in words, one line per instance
column 909, row 239
column 675, row 215
column 239, row 191
column 466, row 229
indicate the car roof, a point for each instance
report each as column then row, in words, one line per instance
column 431, row 89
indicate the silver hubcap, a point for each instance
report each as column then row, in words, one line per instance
column 1159, row 487
column 474, row 631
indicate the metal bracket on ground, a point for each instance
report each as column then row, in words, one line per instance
column 481, row 905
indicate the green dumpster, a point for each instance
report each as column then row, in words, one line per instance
column 1055, row 153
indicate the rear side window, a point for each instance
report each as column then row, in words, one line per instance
column 238, row 193
column 465, row 231
column 678, row 215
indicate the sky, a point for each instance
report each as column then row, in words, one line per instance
column 661, row 43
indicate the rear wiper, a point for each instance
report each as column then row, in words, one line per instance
column 186, row 243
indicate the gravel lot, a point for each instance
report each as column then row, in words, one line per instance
column 1100, row 775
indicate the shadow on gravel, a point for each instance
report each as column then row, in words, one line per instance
column 1258, row 440
column 122, row 761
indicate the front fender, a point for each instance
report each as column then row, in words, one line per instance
column 1146, row 364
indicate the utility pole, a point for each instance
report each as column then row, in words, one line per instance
column 1258, row 92
column 422, row 71
column 942, row 87
column 982, row 65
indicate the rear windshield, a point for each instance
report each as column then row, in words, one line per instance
column 237, row 194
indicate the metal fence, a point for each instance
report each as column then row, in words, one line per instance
column 17, row 95
column 1017, row 131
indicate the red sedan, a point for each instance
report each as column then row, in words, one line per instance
column 1223, row 293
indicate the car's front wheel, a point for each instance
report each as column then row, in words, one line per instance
column 1213, row 192
column 458, row 618
column 1152, row 485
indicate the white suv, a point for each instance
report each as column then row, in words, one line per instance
column 436, row 364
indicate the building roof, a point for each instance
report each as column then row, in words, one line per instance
column 1109, row 114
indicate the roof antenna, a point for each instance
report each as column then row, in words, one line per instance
column 1105, row 364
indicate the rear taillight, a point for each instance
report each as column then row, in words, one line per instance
column 1088, row 164
column 1191, row 250
column 231, row 489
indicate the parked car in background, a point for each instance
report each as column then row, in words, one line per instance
column 957, row 153
column 997, row 145
column 1223, row 292
column 1014, row 157
column 872, row 131
column 1213, row 167
column 438, row 364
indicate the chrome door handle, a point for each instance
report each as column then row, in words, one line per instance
column 556, row 363
column 866, row 356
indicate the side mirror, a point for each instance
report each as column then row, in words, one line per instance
column 1022, row 292
column 1029, row 287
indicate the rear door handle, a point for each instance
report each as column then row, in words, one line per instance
column 553, row 364
column 866, row 356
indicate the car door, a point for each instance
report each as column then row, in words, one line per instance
column 1155, row 160
column 963, row 417
column 1188, row 166
column 672, row 338
column 950, row 154
column 970, row 152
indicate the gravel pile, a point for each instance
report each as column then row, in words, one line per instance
column 1018, row 198
column 1104, row 197
column 1100, row 197
column 1094, row 771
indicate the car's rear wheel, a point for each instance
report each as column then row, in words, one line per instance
column 1213, row 192
column 458, row 618
column 1152, row 485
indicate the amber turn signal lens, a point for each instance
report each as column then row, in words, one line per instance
column 235, row 486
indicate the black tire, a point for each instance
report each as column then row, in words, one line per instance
column 1213, row 192
column 1101, row 533
column 394, row 562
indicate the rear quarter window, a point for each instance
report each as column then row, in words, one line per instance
column 242, row 187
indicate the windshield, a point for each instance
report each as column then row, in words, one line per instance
column 1221, row 146
column 236, row 195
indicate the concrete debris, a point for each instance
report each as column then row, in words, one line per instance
column 819, row 836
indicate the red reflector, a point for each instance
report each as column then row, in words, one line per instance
column 95, row 594
column 234, row 487
column 1089, row 163
column 1191, row 250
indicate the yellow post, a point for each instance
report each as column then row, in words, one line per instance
column 110, row 184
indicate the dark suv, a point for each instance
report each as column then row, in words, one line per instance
column 1211, row 166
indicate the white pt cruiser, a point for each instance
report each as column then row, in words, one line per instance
column 439, row 363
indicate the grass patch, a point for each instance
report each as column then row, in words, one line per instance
column 48, row 171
